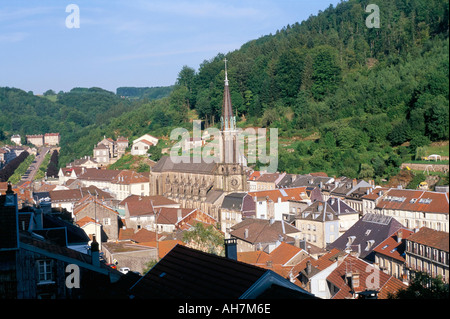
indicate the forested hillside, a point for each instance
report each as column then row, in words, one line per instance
column 363, row 91
column 347, row 99
column 150, row 93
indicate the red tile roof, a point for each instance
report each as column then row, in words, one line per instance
column 286, row 194
column 432, row 238
column 370, row 278
column 415, row 200
column 391, row 247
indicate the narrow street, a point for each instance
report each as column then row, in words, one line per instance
column 32, row 170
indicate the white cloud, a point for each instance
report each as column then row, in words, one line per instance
column 13, row 37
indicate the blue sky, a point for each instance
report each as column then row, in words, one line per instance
column 129, row 43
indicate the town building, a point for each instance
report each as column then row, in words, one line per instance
column 120, row 183
column 34, row 259
column 265, row 181
column 16, row 139
column 92, row 207
column 235, row 208
column 52, row 139
column 108, row 151
column 390, row 254
column 283, row 204
column 36, row 140
column 415, row 208
column 263, row 234
column 355, row 278
column 66, row 199
column 366, row 234
column 427, row 251
column 319, row 224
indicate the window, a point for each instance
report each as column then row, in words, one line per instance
column 45, row 271
column 106, row 221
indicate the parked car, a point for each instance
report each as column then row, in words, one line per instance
column 124, row 270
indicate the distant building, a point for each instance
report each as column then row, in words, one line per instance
column 141, row 147
column 235, row 208
column 52, row 139
column 413, row 208
column 16, row 139
column 108, row 151
column 261, row 234
column 282, row 204
column 36, row 140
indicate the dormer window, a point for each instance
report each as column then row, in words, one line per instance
column 370, row 244
column 351, row 239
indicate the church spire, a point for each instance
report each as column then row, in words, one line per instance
column 228, row 120
column 226, row 72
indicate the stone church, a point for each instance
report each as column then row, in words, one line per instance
column 203, row 185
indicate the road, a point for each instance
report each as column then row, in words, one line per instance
column 34, row 167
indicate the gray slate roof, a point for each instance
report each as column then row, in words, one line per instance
column 165, row 164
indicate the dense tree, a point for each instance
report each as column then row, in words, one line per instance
column 423, row 286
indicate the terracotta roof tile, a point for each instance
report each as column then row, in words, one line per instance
column 432, row 238
column 384, row 284
column 391, row 247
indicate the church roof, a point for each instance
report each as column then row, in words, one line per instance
column 165, row 164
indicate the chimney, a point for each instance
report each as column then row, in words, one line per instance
column 179, row 215
column 399, row 236
column 308, row 267
column 231, row 248
column 353, row 278
column 269, row 264
column 9, row 220
column 95, row 252
column 246, row 233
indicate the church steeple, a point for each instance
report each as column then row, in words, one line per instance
column 227, row 119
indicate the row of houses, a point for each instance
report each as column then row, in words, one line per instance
column 119, row 183
column 38, row 140
column 8, row 153
column 413, row 208
column 108, row 151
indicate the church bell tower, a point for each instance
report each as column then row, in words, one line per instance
column 231, row 166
